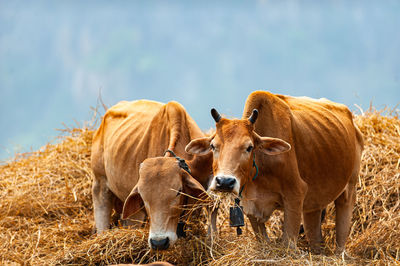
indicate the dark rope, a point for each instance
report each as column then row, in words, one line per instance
column 180, row 230
column 236, row 212
column 182, row 163
column 255, row 165
column 254, row 177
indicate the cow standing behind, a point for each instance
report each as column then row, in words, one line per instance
column 307, row 152
column 129, row 172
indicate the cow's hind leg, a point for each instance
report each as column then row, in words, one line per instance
column 102, row 204
column 344, row 208
column 312, row 226
column 344, row 204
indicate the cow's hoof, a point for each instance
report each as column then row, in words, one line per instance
column 341, row 252
column 316, row 250
column 290, row 244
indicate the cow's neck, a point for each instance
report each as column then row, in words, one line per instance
column 201, row 167
column 261, row 197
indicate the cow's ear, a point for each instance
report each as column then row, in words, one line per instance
column 199, row 146
column 133, row 203
column 192, row 186
column 272, row 146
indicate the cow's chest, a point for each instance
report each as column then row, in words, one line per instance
column 261, row 208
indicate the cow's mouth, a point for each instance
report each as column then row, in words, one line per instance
column 159, row 244
column 224, row 190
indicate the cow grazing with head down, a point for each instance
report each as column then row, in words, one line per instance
column 307, row 153
column 131, row 174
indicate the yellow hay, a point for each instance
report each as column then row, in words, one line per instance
column 46, row 214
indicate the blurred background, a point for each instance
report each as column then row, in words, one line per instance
column 56, row 57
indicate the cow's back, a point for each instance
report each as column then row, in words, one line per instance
column 110, row 138
column 130, row 132
column 326, row 143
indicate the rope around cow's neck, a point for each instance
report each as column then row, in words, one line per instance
column 236, row 212
column 180, row 230
column 182, row 162
column 254, row 177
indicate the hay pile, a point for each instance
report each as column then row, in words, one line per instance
column 45, row 201
column 376, row 228
column 46, row 214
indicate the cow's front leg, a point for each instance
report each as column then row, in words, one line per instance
column 258, row 228
column 102, row 204
column 291, row 223
column 212, row 220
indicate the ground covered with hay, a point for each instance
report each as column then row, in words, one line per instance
column 46, row 214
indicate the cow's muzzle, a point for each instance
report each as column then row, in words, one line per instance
column 224, row 183
column 160, row 244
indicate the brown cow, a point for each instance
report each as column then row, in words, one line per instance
column 307, row 152
column 127, row 166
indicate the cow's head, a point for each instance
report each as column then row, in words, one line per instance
column 233, row 146
column 160, row 190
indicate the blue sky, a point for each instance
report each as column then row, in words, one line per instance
column 55, row 57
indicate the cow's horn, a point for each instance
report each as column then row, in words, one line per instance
column 253, row 116
column 215, row 115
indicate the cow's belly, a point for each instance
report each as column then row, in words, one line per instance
column 122, row 161
column 326, row 179
column 120, row 190
column 121, row 180
column 320, row 194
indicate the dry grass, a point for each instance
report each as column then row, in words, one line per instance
column 46, row 214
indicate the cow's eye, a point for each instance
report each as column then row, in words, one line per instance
column 250, row 148
column 212, row 147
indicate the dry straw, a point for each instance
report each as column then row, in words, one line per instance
column 46, row 214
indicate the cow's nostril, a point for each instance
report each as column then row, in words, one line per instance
column 219, row 180
column 231, row 182
column 159, row 244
